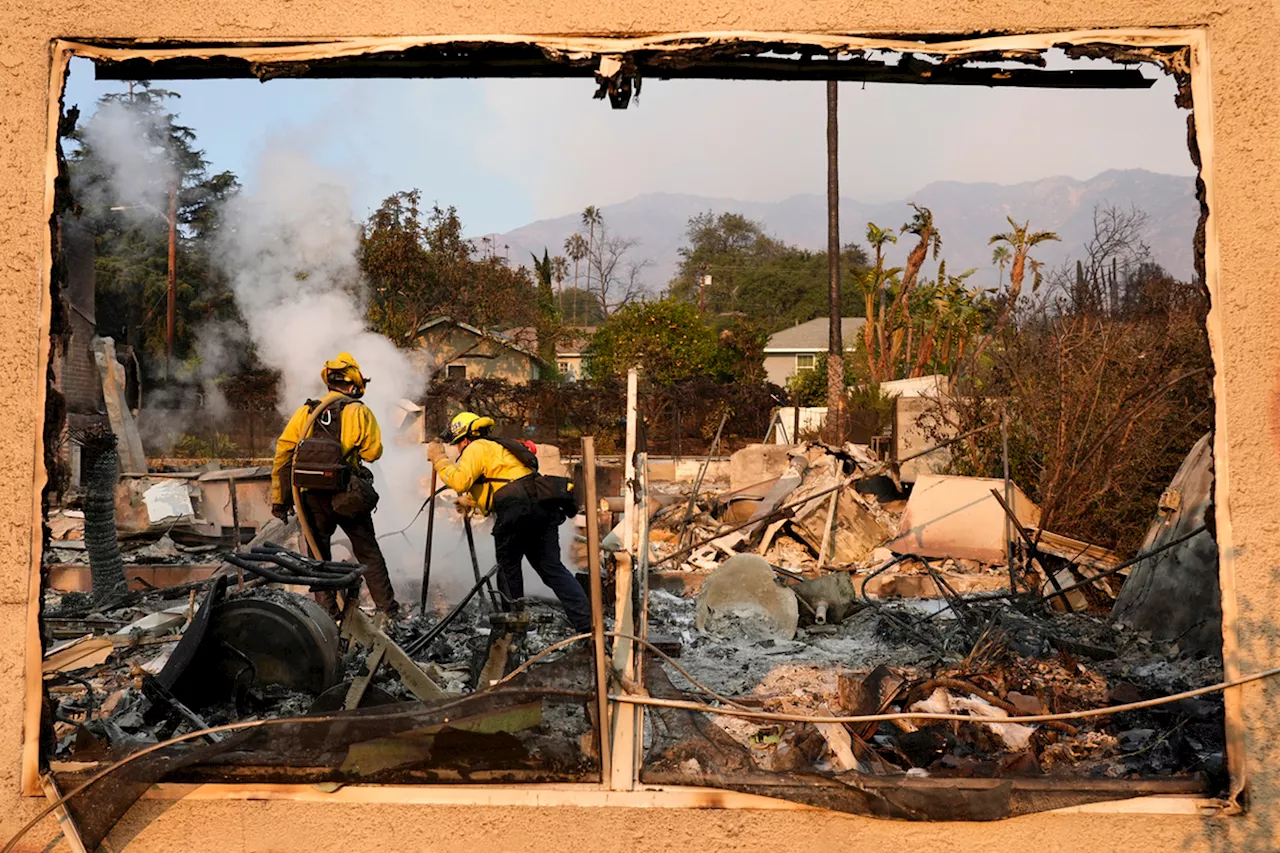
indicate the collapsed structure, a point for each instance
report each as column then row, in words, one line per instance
column 798, row 583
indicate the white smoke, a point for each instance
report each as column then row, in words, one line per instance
column 133, row 146
column 289, row 249
column 137, row 172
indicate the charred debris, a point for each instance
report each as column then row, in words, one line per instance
column 819, row 584
column 803, row 580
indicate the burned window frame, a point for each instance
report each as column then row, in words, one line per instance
column 1182, row 52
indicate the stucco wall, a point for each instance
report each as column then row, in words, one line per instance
column 779, row 369
column 1246, row 105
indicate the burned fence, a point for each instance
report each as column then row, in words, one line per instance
column 680, row 419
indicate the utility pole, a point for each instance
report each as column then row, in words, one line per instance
column 835, row 342
column 173, row 277
column 703, row 283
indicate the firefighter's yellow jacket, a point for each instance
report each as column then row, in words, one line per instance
column 485, row 459
column 360, row 437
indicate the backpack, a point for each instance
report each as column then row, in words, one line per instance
column 553, row 494
column 318, row 461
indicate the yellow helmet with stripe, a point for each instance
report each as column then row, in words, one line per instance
column 467, row 425
column 344, row 368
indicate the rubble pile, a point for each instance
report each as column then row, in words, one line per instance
column 902, row 603
column 97, row 662
column 839, row 509
column 113, row 685
column 1020, row 666
column 816, row 585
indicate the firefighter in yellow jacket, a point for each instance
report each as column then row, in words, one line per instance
column 490, row 471
column 356, row 430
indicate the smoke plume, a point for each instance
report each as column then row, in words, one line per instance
column 289, row 249
column 133, row 145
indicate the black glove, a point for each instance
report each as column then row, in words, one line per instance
column 280, row 511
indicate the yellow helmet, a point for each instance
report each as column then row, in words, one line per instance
column 467, row 425
column 344, row 368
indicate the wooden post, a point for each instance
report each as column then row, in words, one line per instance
column 629, row 462
column 825, row 551
column 1008, row 498
column 675, row 433
column 795, row 417
column 835, row 341
column 597, row 603
column 235, row 512
column 171, row 320
column 622, row 777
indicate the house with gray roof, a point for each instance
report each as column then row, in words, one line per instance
column 797, row 349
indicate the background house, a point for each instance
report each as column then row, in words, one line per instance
column 793, row 350
column 571, row 347
column 449, row 349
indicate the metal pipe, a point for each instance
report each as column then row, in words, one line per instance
column 426, row 557
column 415, row 646
column 597, row 603
column 475, row 562
column 697, row 484
column 1120, row 568
column 1012, row 519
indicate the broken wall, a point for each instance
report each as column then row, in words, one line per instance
column 1245, row 106
column 918, row 425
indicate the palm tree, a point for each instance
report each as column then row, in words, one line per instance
column 559, row 268
column 576, row 248
column 1000, row 257
column 922, row 226
column 873, row 289
column 591, row 217
column 1021, row 240
column 947, row 298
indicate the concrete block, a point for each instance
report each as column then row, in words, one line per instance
column 756, row 463
column 959, row 517
column 742, row 598
column 918, row 424
column 550, row 462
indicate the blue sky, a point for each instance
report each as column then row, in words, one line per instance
column 507, row 152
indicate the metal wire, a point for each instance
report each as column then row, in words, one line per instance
column 881, row 718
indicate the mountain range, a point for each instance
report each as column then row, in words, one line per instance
column 967, row 214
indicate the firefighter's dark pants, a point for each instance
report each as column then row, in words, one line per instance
column 524, row 529
column 364, row 546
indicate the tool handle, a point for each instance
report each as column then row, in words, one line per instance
column 426, row 557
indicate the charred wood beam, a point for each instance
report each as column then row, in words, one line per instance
column 528, row 61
